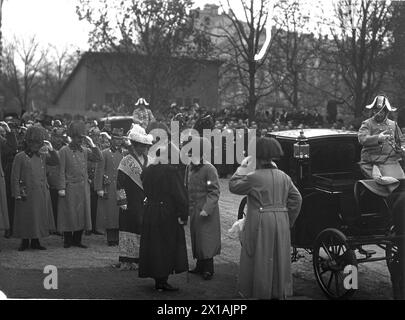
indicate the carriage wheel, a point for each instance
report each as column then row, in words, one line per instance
column 330, row 257
column 242, row 208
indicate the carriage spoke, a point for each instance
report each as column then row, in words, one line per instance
column 327, row 251
column 336, row 283
column 330, row 279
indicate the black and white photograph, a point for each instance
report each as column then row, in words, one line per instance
column 203, row 154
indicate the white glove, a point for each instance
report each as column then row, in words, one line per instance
column 100, row 193
column 48, row 145
column 62, row 193
column 385, row 135
column 5, row 126
column 90, row 141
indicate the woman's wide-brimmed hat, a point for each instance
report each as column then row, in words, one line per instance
column 141, row 101
column 138, row 134
column 380, row 102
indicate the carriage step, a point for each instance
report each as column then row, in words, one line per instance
column 367, row 252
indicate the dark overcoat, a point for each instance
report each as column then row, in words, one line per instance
column 9, row 144
column 163, row 249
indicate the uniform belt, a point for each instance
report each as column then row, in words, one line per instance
column 153, row 203
column 273, row 208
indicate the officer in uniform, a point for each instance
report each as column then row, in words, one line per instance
column 381, row 139
column 381, row 157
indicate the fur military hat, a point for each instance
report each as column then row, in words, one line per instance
column 35, row 133
column 76, row 128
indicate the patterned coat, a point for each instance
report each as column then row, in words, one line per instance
column 107, row 172
column 6, row 145
column 74, row 209
column 33, row 216
column 203, row 194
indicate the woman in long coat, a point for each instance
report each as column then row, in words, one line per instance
column 9, row 143
column 273, row 206
column 163, row 249
column 105, row 184
column 33, row 217
column 131, row 197
column 203, row 194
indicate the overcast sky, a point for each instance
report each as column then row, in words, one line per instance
column 51, row 21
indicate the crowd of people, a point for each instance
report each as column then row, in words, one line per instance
column 70, row 178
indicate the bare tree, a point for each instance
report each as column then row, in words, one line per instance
column 23, row 62
column 151, row 37
column 362, row 36
column 244, row 38
column 56, row 68
column 293, row 59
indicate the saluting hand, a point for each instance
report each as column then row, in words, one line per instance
column 48, row 145
column 89, row 141
column 5, row 126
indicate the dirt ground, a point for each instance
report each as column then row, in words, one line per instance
column 87, row 273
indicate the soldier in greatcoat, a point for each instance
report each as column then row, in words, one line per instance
column 105, row 184
column 8, row 144
column 74, row 213
column 33, row 218
column 203, row 195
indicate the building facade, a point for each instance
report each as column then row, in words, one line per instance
column 104, row 79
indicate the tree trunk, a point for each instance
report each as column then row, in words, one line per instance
column 252, row 91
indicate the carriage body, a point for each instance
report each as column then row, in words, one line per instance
column 325, row 180
column 339, row 218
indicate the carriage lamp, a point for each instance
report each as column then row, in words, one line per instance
column 301, row 148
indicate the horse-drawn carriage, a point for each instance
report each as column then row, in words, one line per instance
column 340, row 217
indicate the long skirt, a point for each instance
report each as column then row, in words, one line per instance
column 129, row 247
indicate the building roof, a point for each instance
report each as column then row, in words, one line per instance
column 103, row 55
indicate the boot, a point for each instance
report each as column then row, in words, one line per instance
column 67, row 239
column 77, row 239
column 36, row 245
column 25, row 243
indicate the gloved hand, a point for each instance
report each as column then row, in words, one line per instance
column 62, row 193
column 100, row 193
column 384, row 136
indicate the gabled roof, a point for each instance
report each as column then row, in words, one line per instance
column 102, row 55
